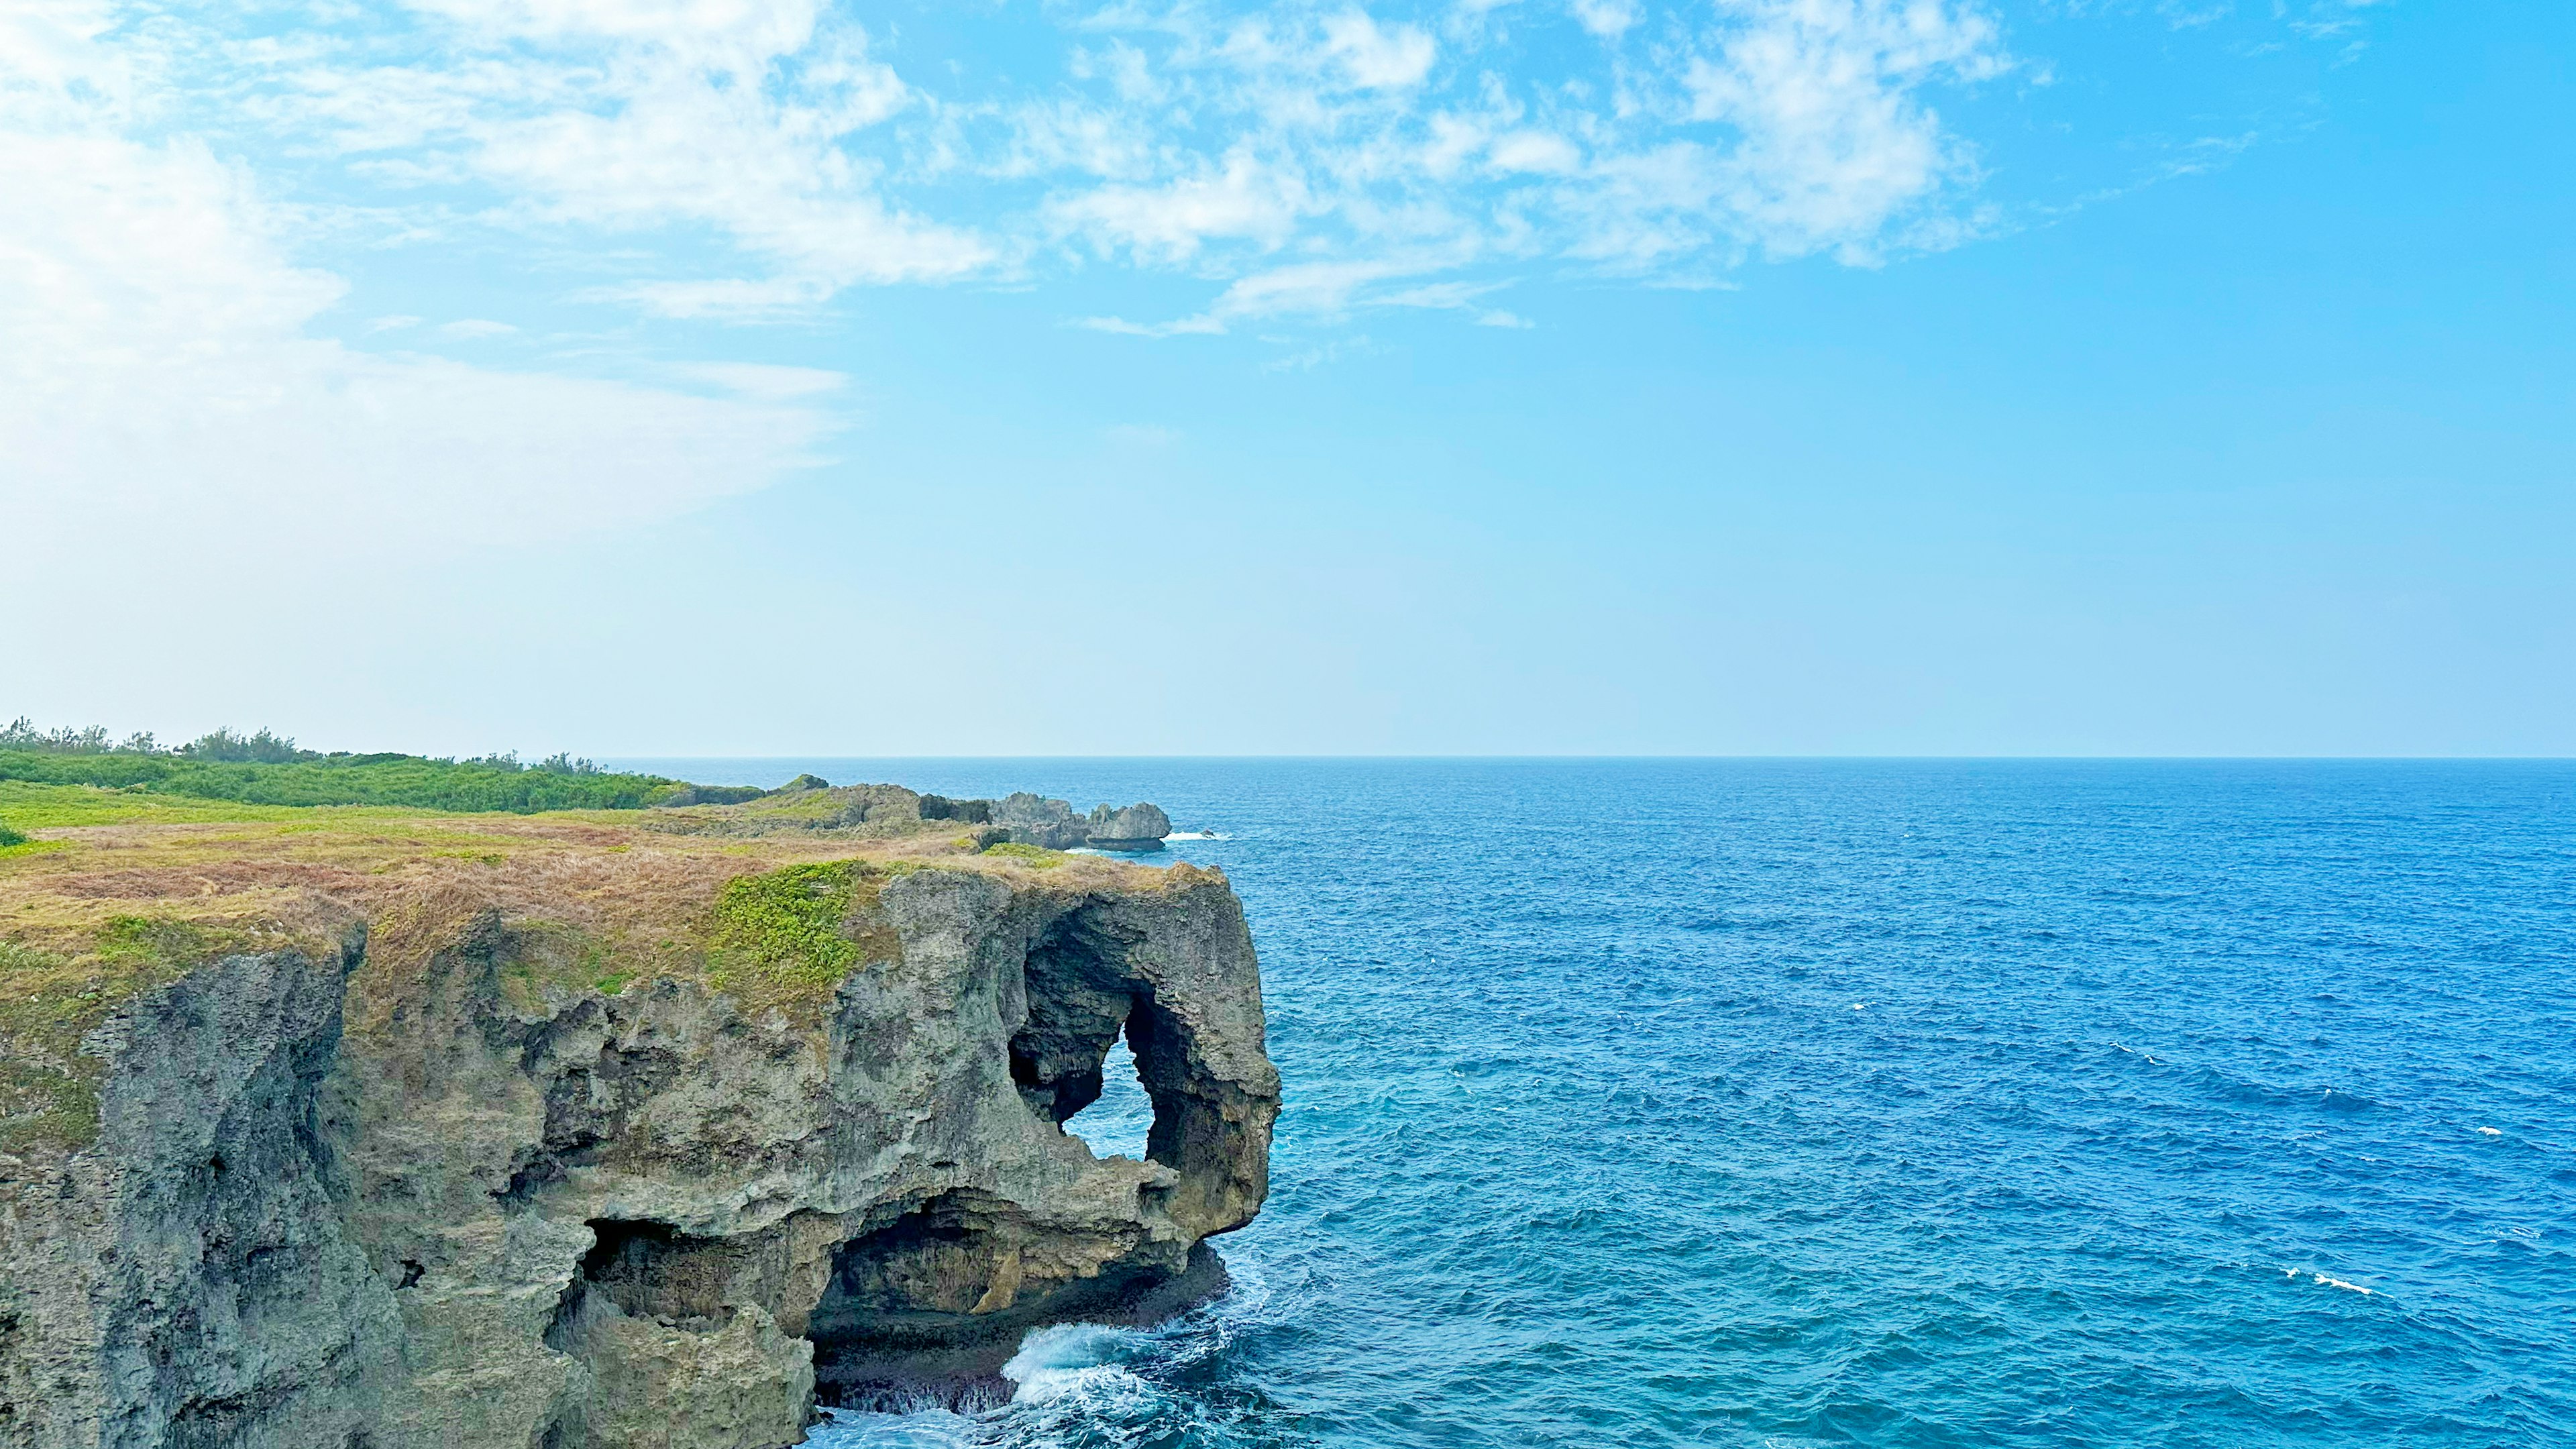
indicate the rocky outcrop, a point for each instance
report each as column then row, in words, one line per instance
column 807, row 804
column 1138, row 827
column 687, row 795
column 1037, row 820
column 476, row 1199
column 188, row 1279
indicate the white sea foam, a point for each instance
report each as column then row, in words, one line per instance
column 1071, row 1358
column 922, row 1429
column 2491, row 1132
column 1075, row 1367
column 2339, row 1283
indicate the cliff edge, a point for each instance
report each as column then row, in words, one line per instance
column 361, row 1127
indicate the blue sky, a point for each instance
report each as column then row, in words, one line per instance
column 1595, row 376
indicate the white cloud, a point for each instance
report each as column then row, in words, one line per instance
column 1777, row 127
column 732, row 299
column 768, row 382
column 1608, row 19
column 738, row 161
column 159, row 387
column 1314, row 290
column 709, row 29
column 473, row 328
column 1378, row 57
column 1535, row 151
column 1243, row 199
column 1835, row 143
column 636, row 116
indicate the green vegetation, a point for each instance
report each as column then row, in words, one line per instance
column 497, row 783
column 554, row 954
column 263, row 747
column 9, row 837
column 1036, row 857
column 48, row 1089
column 30, row 806
column 266, row 768
column 786, row 938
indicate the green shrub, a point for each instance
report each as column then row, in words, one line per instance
column 786, row 938
column 263, row 748
column 789, row 920
column 403, row 780
column 9, row 837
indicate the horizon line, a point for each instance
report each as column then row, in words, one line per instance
column 1745, row 758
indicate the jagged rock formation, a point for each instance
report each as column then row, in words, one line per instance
column 1138, row 827
column 1036, row 820
column 808, row 804
column 432, row 1184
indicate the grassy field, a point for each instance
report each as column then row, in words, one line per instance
column 120, row 888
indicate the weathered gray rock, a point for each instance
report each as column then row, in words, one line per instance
column 188, row 1279
column 687, row 795
column 1138, row 827
column 1036, row 820
column 461, row 1215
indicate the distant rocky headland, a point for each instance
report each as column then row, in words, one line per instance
column 808, row 802
column 655, row 1121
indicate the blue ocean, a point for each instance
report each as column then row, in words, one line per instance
column 1786, row 1103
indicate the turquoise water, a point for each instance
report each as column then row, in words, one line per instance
column 1767, row 1103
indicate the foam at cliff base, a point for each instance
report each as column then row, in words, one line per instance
column 921, row 1429
column 1073, row 1359
column 1077, row 1370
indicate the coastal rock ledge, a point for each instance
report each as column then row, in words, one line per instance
column 424, row 1177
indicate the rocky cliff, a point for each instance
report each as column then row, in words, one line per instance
column 602, row 1135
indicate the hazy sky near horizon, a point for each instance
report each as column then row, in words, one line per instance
column 720, row 377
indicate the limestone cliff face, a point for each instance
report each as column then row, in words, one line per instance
column 472, row 1201
column 186, row 1280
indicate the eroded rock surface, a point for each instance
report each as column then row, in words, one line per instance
column 1137, row 827
column 483, row 1203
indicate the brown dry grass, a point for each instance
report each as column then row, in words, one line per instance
column 90, row 914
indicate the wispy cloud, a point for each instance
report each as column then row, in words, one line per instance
column 1751, row 127
column 159, row 374
column 751, row 162
column 1314, row 290
column 716, row 160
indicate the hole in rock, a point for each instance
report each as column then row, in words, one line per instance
column 1120, row 1121
column 653, row 1270
column 1069, row 1058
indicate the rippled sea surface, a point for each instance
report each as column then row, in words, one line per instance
column 1665, row 1103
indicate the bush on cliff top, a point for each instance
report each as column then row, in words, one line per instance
column 786, row 938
